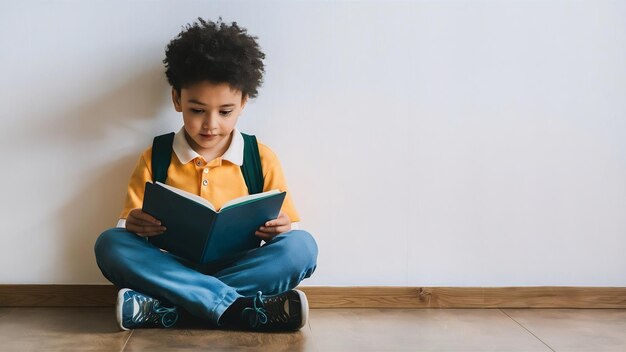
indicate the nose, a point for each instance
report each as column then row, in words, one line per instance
column 209, row 123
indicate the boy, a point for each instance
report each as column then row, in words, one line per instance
column 213, row 68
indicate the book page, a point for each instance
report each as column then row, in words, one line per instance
column 196, row 198
column 248, row 198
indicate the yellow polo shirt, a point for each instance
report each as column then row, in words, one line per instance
column 218, row 180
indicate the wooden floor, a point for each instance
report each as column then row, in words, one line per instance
column 95, row 329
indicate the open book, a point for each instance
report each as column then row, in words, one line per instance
column 199, row 233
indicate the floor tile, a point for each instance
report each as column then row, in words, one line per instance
column 60, row 329
column 218, row 340
column 467, row 330
column 419, row 330
column 567, row 330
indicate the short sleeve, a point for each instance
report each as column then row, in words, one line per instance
column 275, row 179
column 136, row 186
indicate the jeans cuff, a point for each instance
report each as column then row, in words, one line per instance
column 219, row 309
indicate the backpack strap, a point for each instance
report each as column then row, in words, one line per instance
column 161, row 156
column 251, row 168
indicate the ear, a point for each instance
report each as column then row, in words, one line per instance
column 176, row 100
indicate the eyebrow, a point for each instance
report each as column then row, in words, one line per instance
column 203, row 104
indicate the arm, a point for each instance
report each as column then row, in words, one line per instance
column 132, row 218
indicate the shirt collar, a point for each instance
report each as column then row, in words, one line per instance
column 185, row 153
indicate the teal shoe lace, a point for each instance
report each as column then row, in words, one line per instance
column 150, row 311
column 258, row 314
column 268, row 311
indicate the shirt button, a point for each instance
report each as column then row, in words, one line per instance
column 205, row 182
column 198, row 162
column 206, row 171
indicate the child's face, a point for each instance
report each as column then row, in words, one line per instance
column 210, row 113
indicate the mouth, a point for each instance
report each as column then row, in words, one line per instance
column 208, row 136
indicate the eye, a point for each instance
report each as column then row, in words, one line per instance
column 197, row 111
column 226, row 113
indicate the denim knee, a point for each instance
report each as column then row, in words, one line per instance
column 307, row 245
column 105, row 243
column 104, row 250
column 301, row 249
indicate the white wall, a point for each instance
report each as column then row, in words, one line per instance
column 452, row 143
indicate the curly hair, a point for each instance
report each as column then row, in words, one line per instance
column 215, row 52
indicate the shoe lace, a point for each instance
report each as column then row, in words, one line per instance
column 150, row 310
column 258, row 311
column 269, row 311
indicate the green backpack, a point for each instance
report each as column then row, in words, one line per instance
column 251, row 168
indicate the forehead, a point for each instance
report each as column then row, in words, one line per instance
column 211, row 93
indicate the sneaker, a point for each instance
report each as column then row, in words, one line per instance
column 136, row 310
column 288, row 311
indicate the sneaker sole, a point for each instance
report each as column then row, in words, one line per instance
column 118, row 308
column 304, row 304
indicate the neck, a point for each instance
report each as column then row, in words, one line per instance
column 217, row 151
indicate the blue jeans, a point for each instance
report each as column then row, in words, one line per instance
column 128, row 260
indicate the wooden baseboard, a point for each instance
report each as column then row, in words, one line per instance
column 354, row 297
column 467, row 297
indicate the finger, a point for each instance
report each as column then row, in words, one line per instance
column 146, row 229
column 142, row 222
column 281, row 221
column 141, row 227
column 150, row 234
column 278, row 222
column 275, row 229
column 268, row 229
column 264, row 236
column 140, row 215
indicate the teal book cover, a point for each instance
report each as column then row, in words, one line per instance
column 197, row 232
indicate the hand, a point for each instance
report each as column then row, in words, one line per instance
column 143, row 224
column 274, row 227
